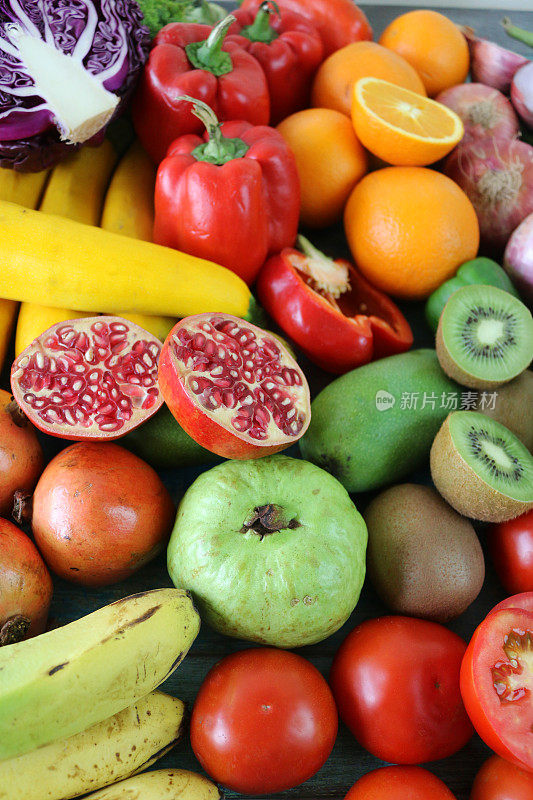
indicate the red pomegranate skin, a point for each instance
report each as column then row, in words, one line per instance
column 25, row 583
column 21, row 455
column 100, row 513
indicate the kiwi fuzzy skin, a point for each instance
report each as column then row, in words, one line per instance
column 423, row 558
column 454, row 371
column 513, row 408
column 463, row 489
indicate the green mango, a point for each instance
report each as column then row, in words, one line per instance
column 479, row 271
column 272, row 550
column 364, row 427
column 162, row 442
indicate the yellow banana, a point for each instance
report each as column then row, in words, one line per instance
column 129, row 210
column 76, row 190
column 162, row 784
column 60, row 683
column 55, row 261
column 107, row 752
column 24, row 188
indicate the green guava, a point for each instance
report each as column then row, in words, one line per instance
column 272, row 550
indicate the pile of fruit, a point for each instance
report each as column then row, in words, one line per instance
column 167, row 170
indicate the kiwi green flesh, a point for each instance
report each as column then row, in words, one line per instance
column 494, row 454
column 487, row 333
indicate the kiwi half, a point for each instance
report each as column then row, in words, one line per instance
column 481, row 468
column 485, row 337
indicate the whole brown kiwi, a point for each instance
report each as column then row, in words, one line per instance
column 423, row 558
column 513, row 407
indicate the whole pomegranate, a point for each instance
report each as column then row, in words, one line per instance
column 21, row 455
column 25, row 586
column 100, row 513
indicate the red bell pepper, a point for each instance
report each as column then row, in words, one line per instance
column 195, row 60
column 339, row 22
column 330, row 310
column 232, row 197
column 288, row 48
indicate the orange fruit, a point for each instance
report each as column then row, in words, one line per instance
column 403, row 127
column 433, row 45
column 330, row 160
column 335, row 79
column 409, row 229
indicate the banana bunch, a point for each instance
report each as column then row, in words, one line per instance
column 62, row 682
column 164, row 784
column 107, row 752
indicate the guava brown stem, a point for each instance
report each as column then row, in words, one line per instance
column 268, row 519
column 22, row 507
column 14, row 630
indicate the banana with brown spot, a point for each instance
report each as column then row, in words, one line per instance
column 164, row 784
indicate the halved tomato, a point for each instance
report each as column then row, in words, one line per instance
column 524, row 600
column 497, row 684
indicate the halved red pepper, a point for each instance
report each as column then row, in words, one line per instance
column 232, row 196
column 330, row 310
column 288, row 48
column 196, row 60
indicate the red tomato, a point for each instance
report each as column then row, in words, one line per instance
column 497, row 684
column 511, row 548
column 339, row 22
column 396, row 683
column 500, row 780
column 399, row 783
column 264, row 721
column 523, row 600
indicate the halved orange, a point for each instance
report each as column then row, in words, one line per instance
column 402, row 127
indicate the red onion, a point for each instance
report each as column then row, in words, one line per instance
column 497, row 176
column 522, row 93
column 484, row 111
column 491, row 64
column 518, row 258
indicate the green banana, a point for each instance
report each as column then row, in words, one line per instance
column 163, row 784
column 60, row 683
column 109, row 751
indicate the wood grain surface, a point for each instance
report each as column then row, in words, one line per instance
column 348, row 760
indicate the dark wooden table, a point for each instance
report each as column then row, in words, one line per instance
column 348, row 760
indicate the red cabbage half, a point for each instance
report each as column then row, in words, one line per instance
column 66, row 69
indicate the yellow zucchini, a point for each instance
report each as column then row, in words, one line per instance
column 8, row 314
column 77, row 186
column 129, row 210
column 25, row 188
column 129, row 202
column 76, row 190
column 34, row 319
column 55, row 261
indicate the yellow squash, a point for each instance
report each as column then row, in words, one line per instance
column 76, row 190
column 25, row 188
column 129, row 210
column 52, row 260
column 8, row 314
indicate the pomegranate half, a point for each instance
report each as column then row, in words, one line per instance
column 93, row 378
column 233, row 387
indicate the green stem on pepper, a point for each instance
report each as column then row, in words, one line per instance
column 218, row 150
column 208, row 54
column 261, row 30
column 328, row 276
